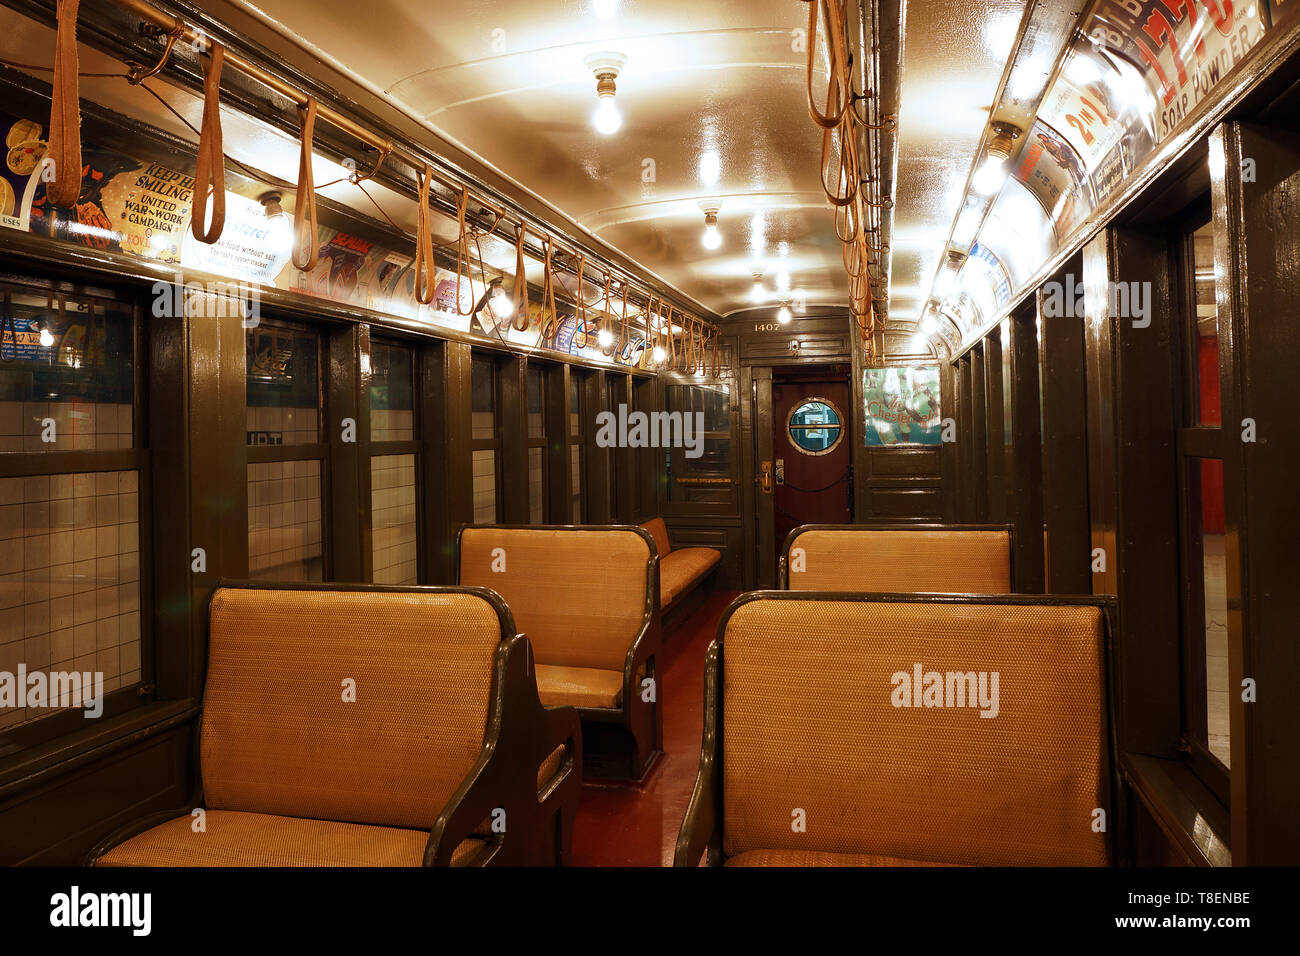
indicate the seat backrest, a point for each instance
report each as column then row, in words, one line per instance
column 903, row 560
column 822, row 713
column 280, row 734
column 659, row 531
column 578, row 594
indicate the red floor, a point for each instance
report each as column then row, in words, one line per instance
column 637, row 826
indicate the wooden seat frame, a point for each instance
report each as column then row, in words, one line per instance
column 621, row 743
column 783, row 563
column 519, row 737
column 702, row 827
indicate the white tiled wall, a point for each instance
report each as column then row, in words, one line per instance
column 392, row 503
column 485, row 486
column 295, row 426
column 484, row 425
column 70, row 577
column 78, row 426
column 284, row 527
column 392, row 424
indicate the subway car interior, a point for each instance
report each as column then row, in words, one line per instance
column 853, row 432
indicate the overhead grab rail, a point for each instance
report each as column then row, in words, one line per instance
column 65, row 154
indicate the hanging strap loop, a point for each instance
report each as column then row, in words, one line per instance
column 304, row 207
column 520, row 321
column 424, row 269
column 210, row 170
column 64, row 189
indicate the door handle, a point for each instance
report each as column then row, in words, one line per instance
column 765, row 477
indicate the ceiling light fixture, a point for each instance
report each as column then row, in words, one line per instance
column 993, row 173
column 281, row 237
column 495, row 298
column 606, row 67
column 712, row 239
column 784, row 315
column 758, row 293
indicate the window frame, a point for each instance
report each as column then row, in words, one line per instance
column 23, row 464
column 412, row 446
column 539, row 441
column 493, row 361
column 318, row 451
column 1193, row 442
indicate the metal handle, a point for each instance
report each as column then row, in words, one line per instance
column 765, row 478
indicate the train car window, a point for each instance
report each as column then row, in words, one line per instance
column 536, row 386
column 1206, row 337
column 815, row 426
column 71, row 525
column 285, row 454
column 699, row 457
column 486, row 446
column 1201, row 507
column 577, row 456
column 394, row 535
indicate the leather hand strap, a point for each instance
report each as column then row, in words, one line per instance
column 304, row 208
column 424, row 268
column 65, row 111
column 210, row 169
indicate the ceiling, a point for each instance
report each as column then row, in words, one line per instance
column 704, row 80
column 506, row 78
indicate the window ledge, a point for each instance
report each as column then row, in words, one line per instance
column 1183, row 806
column 34, row 764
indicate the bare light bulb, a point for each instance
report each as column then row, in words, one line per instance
column 605, row 338
column 607, row 118
column 712, row 239
column 757, row 293
column 47, row 339
column 503, row 307
column 659, row 354
column 784, row 315
column 990, row 176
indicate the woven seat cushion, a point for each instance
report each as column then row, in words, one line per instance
column 821, row 756
column 659, row 531
column 902, row 561
column 578, row 686
column 805, row 858
column 579, row 595
column 258, row 839
column 278, row 736
column 680, row 570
